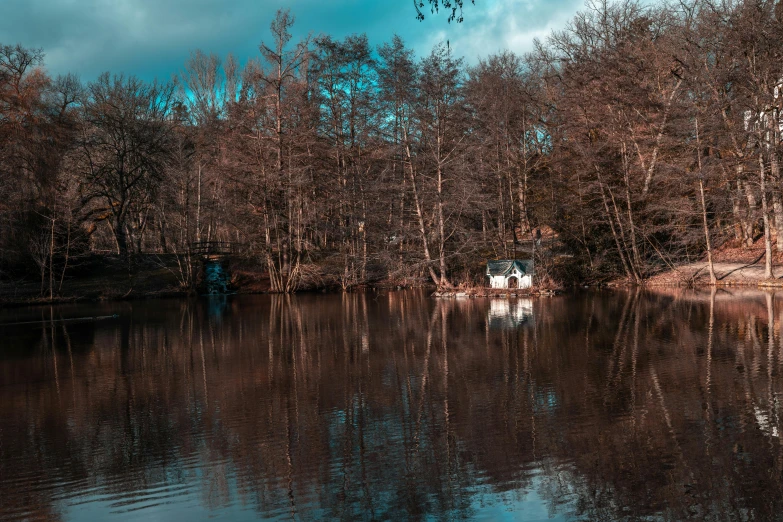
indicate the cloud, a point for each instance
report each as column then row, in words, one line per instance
column 505, row 25
column 91, row 36
column 152, row 38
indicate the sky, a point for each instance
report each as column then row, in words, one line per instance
column 153, row 38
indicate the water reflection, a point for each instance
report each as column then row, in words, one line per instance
column 509, row 313
column 217, row 304
column 600, row 406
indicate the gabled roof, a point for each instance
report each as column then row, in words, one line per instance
column 503, row 267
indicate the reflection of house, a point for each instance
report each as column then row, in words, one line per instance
column 766, row 421
column 510, row 273
column 509, row 313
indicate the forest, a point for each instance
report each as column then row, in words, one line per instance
column 636, row 138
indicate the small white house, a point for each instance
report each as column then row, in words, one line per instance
column 510, row 273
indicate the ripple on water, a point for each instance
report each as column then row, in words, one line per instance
column 595, row 406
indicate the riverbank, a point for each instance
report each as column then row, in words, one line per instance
column 735, row 265
column 502, row 293
column 98, row 278
column 108, row 278
column 727, row 274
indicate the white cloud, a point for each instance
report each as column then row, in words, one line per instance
column 496, row 25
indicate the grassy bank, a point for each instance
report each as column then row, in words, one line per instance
column 96, row 278
column 727, row 273
column 101, row 277
column 734, row 264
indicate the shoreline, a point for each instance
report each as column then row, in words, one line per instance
column 478, row 292
column 17, row 302
column 502, row 293
column 740, row 274
column 159, row 284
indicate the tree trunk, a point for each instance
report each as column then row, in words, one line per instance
column 51, row 261
column 619, row 220
column 637, row 260
column 444, row 281
column 198, row 206
column 121, row 236
column 751, row 219
column 609, row 218
column 422, row 229
column 713, row 279
column 765, row 215
column 67, row 252
column 739, row 219
column 274, row 276
column 419, row 213
column 777, row 199
column 658, row 138
column 777, row 210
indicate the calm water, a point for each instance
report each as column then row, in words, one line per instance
column 593, row 406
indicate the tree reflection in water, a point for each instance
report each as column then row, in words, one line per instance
column 597, row 406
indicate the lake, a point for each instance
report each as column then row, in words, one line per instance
column 601, row 405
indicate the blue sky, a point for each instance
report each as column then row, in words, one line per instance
column 152, row 38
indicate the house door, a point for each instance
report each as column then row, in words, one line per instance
column 512, row 282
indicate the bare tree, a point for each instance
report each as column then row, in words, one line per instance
column 124, row 146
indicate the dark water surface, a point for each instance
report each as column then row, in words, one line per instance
column 596, row 406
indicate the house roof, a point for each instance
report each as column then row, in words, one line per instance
column 503, row 267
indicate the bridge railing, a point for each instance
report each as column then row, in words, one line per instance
column 215, row 248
